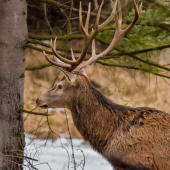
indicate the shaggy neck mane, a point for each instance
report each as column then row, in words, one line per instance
column 96, row 117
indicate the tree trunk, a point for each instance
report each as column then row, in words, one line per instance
column 13, row 35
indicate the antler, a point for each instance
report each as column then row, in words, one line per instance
column 77, row 65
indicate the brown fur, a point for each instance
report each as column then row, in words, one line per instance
column 129, row 138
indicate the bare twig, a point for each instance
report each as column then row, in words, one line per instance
column 20, row 157
column 56, row 3
column 69, row 18
column 36, row 113
column 133, row 67
column 46, row 19
column 83, row 158
column 71, row 142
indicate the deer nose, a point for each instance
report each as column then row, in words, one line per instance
column 37, row 101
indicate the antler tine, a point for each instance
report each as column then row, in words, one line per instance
column 137, row 14
column 120, row 13
column 98, row 16
column 140, row 8
column 55, row 58
column 113, row 13
column 93, row 47
column 81, row 21
column 58, row 64
column 72, row 55
column 87, row 38
column 116, row 18
column 88, row 18
column 58, row 56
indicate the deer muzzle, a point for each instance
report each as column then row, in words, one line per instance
column 40, row 104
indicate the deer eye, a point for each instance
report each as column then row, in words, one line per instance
column 60, row 86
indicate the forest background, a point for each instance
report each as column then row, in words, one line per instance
column 135, row 73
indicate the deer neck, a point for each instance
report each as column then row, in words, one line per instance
column 93, row 117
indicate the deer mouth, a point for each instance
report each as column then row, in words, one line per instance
column 44, row 106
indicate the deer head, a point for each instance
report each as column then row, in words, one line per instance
column 63, row 94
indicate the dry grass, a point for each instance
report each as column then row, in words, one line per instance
column 120, row 85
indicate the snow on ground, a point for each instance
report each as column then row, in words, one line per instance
column 57, row 155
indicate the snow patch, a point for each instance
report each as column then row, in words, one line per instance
column 57, row 155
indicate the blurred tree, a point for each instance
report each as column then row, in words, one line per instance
column 13, row 36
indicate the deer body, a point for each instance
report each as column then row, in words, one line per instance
column 129, row 138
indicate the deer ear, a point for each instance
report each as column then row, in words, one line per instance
column 83, row 72
column 70, row 77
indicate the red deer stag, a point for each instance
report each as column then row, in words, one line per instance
column 129, row 138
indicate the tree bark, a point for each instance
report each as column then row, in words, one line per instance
column 13, row 36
